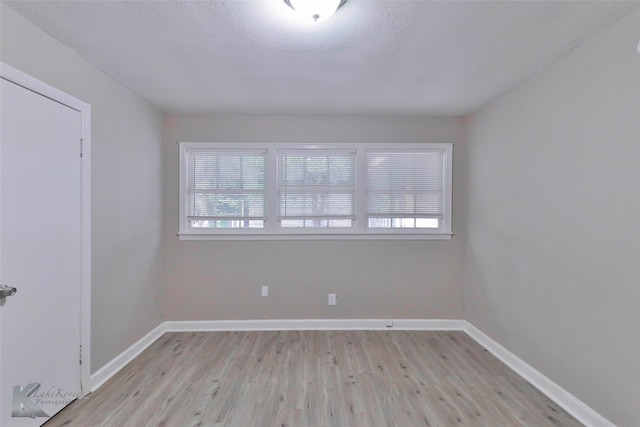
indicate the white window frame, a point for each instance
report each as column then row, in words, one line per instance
column 272, row 229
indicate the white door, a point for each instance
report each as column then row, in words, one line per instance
column 40, row 255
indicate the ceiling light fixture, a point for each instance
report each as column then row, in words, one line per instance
column 315, row 10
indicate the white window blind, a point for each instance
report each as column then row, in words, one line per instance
column 225, row 188
column 316, row 188
column 405, row 188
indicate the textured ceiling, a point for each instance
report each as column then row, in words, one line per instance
column 371, row 57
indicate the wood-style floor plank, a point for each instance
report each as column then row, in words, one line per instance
column 315, row 379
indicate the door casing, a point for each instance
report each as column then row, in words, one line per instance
column 20, row 78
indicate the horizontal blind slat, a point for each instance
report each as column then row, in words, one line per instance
column 224, row 184
column 405, row 183
column 316, row 183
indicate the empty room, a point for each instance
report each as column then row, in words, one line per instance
column 306, row 213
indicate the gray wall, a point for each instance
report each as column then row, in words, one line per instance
column 553, row 221
column 127, row 274
column 373, row 279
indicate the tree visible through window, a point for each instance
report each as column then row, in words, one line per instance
column 316, row 188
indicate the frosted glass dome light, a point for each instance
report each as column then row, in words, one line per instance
column 315, row 10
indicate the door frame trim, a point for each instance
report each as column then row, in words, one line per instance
column 31, row 83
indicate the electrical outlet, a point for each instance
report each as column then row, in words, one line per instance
column 265, row 291
column 332, row 299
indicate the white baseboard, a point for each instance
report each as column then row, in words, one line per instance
column 566, row 400
column 117, row 363
column 315, row 324
column 120, row 361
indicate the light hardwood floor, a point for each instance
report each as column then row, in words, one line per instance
column 315, row 378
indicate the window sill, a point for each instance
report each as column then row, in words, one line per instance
column 350, row 236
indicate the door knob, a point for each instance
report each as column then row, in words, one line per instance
column 7, row 291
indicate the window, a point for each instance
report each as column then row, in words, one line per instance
column 225, row 189
column 242, row 190
column 316, row 188
column 405, row 188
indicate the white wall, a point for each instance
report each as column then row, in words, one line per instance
column 553, row 221
column 127, row 273
column 373, row 279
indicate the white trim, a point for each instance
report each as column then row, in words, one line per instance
column 103, row 374
column 29, row 82
column 315, row 324
column 566, row 400
column 20, row 78
column 85, row 292
column 120, row 361
column 309, row 236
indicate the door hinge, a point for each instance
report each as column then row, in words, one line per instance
column 80, row 354
column 81, row 141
